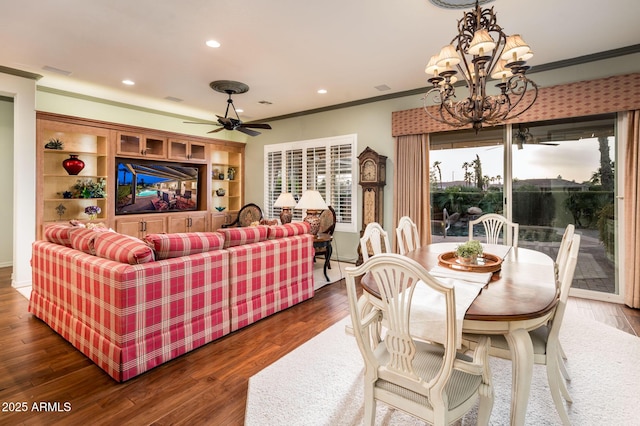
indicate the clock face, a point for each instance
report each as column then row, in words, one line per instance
column 369, row 171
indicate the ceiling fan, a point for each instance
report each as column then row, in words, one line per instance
column 229, row 123
column 522, row 136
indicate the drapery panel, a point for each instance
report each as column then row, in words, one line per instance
column 631, row 208
column 411, row 184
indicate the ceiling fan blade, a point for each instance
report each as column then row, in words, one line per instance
column 247, row 131
column 257, row 125
column 210, row 123
column 216, row 130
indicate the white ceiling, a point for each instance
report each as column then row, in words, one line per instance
column 285, row 50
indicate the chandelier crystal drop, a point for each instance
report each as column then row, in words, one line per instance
column 480, row 52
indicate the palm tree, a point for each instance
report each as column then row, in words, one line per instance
column 436, row 165
column 467, row 175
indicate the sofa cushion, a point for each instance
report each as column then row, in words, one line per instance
column 59, row 234
column 167, row 246
column 122, row 248
column 288, row 230
column 245, row 235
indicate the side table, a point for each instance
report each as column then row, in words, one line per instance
column 322, row 244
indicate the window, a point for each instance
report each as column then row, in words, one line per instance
column 325, row 165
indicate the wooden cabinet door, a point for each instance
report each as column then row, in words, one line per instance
column 198, row 223
column 193, row 222
column 141, row 226
column 217, row 220
column 129, row 226
column 154, row 225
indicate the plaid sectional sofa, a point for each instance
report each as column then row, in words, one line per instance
column 131, row 305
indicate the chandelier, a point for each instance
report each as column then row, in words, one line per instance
column 480, row 51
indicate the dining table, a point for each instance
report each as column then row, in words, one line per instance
column 519, row 297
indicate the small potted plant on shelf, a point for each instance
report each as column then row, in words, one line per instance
column 92, row 212
column 468, row 252
column 54, row 144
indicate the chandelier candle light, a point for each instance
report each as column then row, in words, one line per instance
column 314, row 204
column 479, row 51
column 285, row 201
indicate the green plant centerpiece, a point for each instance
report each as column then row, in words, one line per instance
column 468, row 252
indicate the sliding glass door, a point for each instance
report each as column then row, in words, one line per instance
column 542, row 175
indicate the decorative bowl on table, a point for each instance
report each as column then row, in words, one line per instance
column 220, row 208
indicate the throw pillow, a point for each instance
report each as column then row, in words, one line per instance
column 288, row 230
column 184, row 244
column 83, row 239
column 246, row 235
column 59, row 234
column 122, row 248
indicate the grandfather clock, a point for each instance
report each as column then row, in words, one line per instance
column 373, row 171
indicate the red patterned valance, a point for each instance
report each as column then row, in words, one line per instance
column 582, row 98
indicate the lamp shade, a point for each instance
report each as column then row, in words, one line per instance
column 432, row 67
column 448, row 58
column 482, row 43
column 311, row 200
column 285, row 200
column 501, row 71
column 515, row 48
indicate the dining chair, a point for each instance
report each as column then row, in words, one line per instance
column 563, row 253
column 407, row 235
column 561, row 260
column 327, row 226
column 494, row 224
column 429, row 381
column 375, row 240
column 545, row 339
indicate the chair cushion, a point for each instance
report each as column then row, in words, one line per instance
column 167, row 246
column 122, row 248
column 427, row 363
column 246, row 235
column 288, row 230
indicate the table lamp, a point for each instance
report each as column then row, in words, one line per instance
column 314, row 204
column 285, row 201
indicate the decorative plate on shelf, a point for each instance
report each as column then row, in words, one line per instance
column 485, row 263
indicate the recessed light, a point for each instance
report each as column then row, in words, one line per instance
column 322, row 91
column 239, row 110
column 212, row 43
column 128, row 82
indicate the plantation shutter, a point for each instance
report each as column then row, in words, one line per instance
column 341, row 182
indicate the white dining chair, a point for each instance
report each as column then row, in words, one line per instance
column 563, row 253
column 561, row 262
column 545, row 339
column 375, row 240
column 494, row 225
column 430, row 381
column 407, row 235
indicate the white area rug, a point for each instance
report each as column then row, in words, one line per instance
column 336, row 272
column 320, row 383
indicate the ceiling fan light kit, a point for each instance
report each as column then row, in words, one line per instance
column 481, row 50
column 231, row 87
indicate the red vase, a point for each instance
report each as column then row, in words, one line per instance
column 73, row 165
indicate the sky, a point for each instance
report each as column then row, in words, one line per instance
column 572, row 160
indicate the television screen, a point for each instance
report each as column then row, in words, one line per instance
column 145, row 186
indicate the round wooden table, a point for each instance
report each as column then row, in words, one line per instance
column 521, row 298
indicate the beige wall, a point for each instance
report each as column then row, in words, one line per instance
column 6, row 177
column 371, row 122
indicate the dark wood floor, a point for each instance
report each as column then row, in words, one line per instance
column 205, row 386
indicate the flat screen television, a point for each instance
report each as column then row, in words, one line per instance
column 146, row 186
